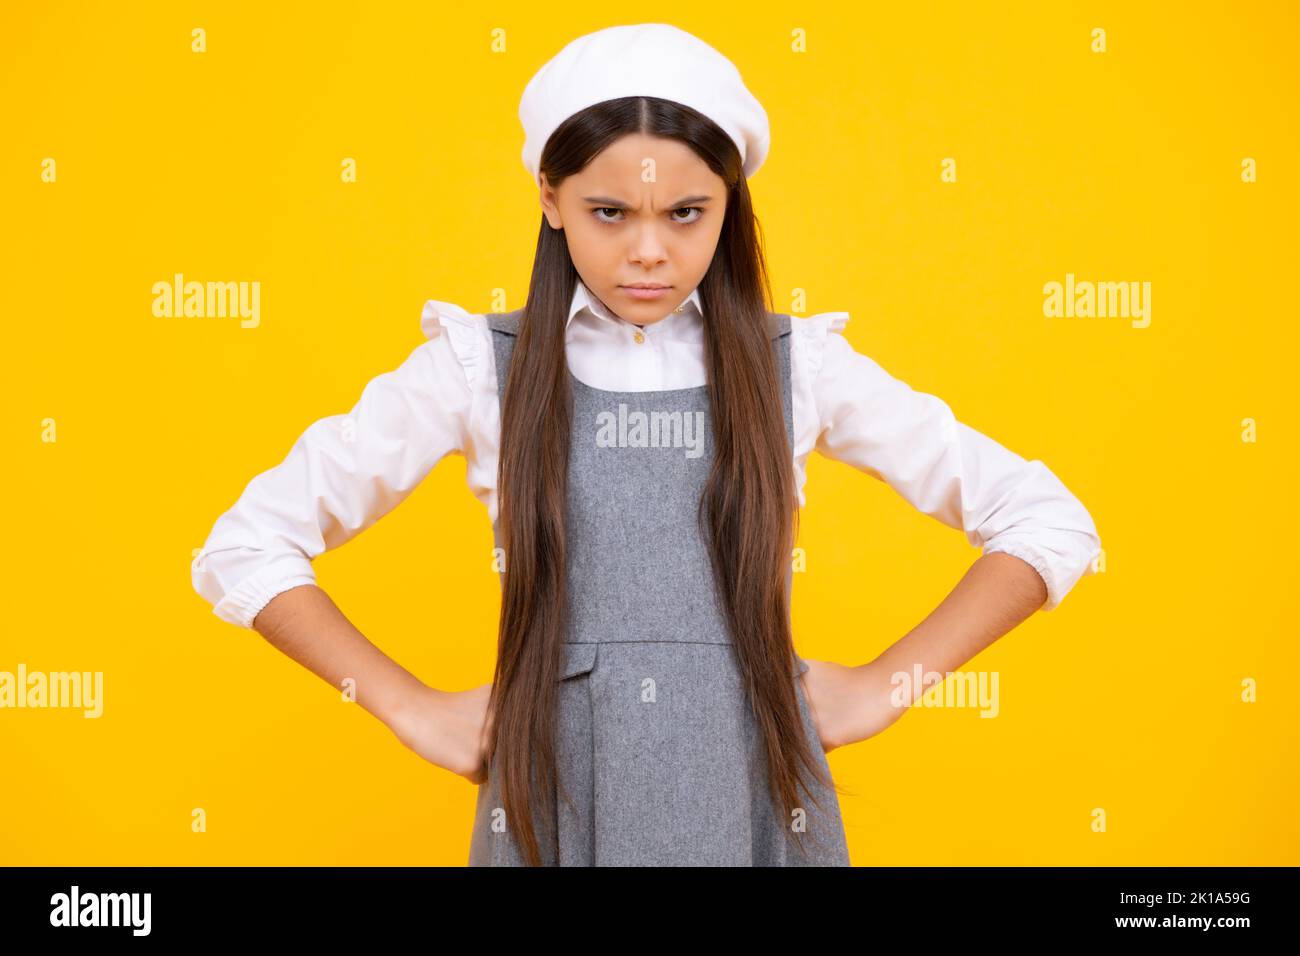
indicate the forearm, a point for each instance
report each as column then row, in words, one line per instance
column 308, row 626
column 997, row 592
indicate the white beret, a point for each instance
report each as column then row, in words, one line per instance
column 644, row 59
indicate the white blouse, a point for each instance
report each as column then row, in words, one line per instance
column 347, row 471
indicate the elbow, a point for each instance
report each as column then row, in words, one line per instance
column 1088, row 546
column 1094, row 559
column 1060, row 555
column 202, row 578
column 239, row 582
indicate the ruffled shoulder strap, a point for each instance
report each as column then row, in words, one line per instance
column 812, row 332
column 463, row 328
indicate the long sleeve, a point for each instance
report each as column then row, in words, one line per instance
column 911, row 440
column 342, row 474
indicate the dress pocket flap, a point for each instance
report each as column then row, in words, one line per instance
column 579, row 658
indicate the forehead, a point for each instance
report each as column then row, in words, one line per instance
column 624, row 161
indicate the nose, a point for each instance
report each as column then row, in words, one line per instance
column 648, row 248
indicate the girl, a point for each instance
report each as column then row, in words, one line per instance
column 638, row 432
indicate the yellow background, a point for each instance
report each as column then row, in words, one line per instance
column 224, row 165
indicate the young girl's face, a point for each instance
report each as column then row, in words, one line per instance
column 623, row 230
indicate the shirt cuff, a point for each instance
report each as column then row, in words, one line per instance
column 245, row 600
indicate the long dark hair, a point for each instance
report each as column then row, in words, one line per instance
column 749, row 509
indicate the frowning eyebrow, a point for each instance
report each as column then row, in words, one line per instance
column 611, row 203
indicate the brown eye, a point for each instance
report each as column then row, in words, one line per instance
column 686, row 222
column 599, row 209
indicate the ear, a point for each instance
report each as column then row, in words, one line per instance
column 549, row 203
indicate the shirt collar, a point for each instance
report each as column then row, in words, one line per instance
column 584, row 299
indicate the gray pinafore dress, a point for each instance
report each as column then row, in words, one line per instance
column 656, row 744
